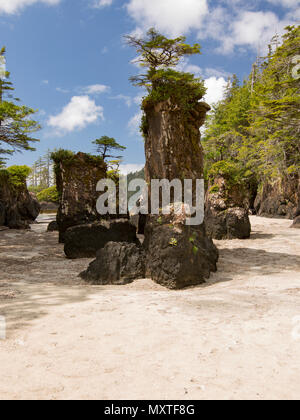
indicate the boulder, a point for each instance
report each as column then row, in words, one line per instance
column 177, row 255
column 227, row 211
column 84, row 241
column 116, row 263
column 52, row 227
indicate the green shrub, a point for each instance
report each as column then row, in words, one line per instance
column 18, row 174
column 49, row 195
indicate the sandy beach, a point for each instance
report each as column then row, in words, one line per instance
column 237, row 337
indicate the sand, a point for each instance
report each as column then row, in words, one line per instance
column 237, row 337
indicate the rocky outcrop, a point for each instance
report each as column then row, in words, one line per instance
column 172, row 141
column 84, row 241
column 18, row 207
column 279, row 198
column 226, row 210
column 178, row 255
column 77, row 177
column 48, row 207
column 116, row 263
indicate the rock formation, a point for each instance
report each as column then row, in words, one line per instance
column 279, row 198
column 177, row 255
column 117, row 263
column 172, row 141
column 18, row 207
column 76, row 178
column 226, row 210
column 296, row 223
column 84, row 241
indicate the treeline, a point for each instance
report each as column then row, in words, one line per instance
column 253, row 134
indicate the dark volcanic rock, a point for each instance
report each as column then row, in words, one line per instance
column 238, row 223
column 18, row 207
column 85, row 240
column 116, row 263
column 226, row 211
column 178, row 255
column 296, row 224
column 172, row 145
column 76, row 180
column 52, row 227
column 279, row 198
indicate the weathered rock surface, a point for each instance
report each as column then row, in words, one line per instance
column 296, row 223
column 178, row 255
column 18, row 207
column 226, row 211
column 48, row 207
column 279, row 199
column 84, row 241
column 52, row 227
column 76, row 180
column 172, row 145
column 116, row 263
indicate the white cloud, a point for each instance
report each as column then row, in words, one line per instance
column 61, row 90
column 131, row 167
column 215, row 89
column 244, row 28
column 172, row 17
column 14, row 6
column 99, row 4
column 79, row 112
column 95, row 89
column 125, row 98
column 134, row 123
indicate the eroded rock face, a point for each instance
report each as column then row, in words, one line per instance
column 178, row 255
column 226, row 211
column 84, row 241
column 18, row 207
column 296, row 223
column 76, row 183
column 172, row 145
column 116, row 263
column 278, row 199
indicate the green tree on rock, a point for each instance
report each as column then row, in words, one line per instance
column 106, row 145
column 163, row 81
column 16, row 126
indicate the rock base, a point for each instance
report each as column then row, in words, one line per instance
column 85, row 240
column 177, row 255
column 233, row 223
column 116, row 263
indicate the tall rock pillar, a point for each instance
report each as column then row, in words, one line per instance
column 177, row 255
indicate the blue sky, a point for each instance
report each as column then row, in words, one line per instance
column 68, row 60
